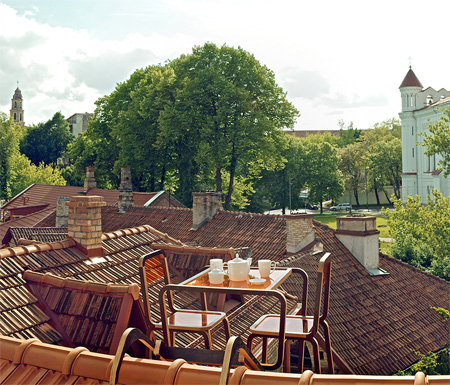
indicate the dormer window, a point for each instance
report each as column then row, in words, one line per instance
column 429, row 99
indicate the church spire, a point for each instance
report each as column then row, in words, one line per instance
column 16, row 112
column 411, row 80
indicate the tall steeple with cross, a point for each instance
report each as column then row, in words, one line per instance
column 16, row 112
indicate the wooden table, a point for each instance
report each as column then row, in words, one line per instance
column 200, row 284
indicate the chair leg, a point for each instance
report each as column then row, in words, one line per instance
column 316, row 355
column 287, row 356
column 326, row 333
column 172, row 338
column 264, row 350
column 301, row 355
column 226, row 326
column 208, row 340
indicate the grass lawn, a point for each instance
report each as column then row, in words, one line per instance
column 329, row 219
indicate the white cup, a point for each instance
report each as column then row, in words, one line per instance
column 216, row 276
column 266, row 267
column 216, row 263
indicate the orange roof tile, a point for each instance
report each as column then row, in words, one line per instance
column 33, row 362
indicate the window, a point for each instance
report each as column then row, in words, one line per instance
column 413, row 152
column 15, row 116
column 15, row 104
column 429, row 162
column 412, row 130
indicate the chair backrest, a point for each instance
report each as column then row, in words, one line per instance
column 322, row 291
column 152, row 267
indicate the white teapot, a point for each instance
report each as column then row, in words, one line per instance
column 238, row 269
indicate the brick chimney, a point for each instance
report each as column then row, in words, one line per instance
column 62, row 212
column 204, row 207
column 360, row 236
column 85, row 223
column 126, row 199
column 89, row 181
column 300, row 232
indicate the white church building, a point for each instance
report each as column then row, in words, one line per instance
column 420, row 108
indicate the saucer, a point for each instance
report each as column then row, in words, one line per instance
column 257, row 281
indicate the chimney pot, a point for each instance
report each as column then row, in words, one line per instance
column 126, row 199
column 204, row 207
column 85, row 223
column 62, row 212
column 360, row 236
column 89, row 181
column 300, row 232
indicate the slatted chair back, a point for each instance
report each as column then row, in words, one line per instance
column 153, row 267
column 322, row 297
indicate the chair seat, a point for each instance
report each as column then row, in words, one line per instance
column 194, row 319
column 269, row 325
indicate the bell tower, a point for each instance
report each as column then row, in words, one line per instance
column 16, row 111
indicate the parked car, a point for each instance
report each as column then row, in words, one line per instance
column 312, row 207
column 341, row 206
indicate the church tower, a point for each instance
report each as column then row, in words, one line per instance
column 409, row 89
column 16, row 111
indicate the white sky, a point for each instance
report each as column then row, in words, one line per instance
column 335, row 59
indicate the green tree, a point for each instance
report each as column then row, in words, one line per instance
column 46, row 142
column 385, row 165
column 438, row 141
column 232, row 107
column 10, row 135
column 321, row 167
column 281, row 187
column 25, row 173
column 421, row 233
column 347, row 135
column 353, row 167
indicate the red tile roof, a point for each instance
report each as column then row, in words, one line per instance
column 37, row 194
column 373, row 318
column 86, row 313
column 26, row 221
column 377, row 322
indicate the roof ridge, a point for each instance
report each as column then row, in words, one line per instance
column 275, row 216
column 75, row 284
column 136, row 230
column 35, row 248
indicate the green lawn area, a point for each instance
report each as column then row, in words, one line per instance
column 329, row 219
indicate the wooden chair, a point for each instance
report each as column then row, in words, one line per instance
column 153, row 266
column 301, row 327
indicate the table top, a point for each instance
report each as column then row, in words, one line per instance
column 273, row 281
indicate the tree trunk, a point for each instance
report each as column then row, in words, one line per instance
column 355, row 193
column 232, row 173
column 218, row 179
column 387, row 197
column 376, row 195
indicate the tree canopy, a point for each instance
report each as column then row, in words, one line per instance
column 46, row 142
column 203, row 121
column 421, row 233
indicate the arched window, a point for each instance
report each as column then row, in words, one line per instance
column 15, row 104
column 15, row 116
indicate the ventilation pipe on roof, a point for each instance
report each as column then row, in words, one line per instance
column 85, row 223
column 126, row 199
column 62, row 212
column 89, row 181
column 300, row 232
column 204, row 207
column 360, row 236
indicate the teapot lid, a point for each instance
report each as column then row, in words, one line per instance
column 216, row 270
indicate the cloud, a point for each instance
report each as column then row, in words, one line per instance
column 303, row 83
